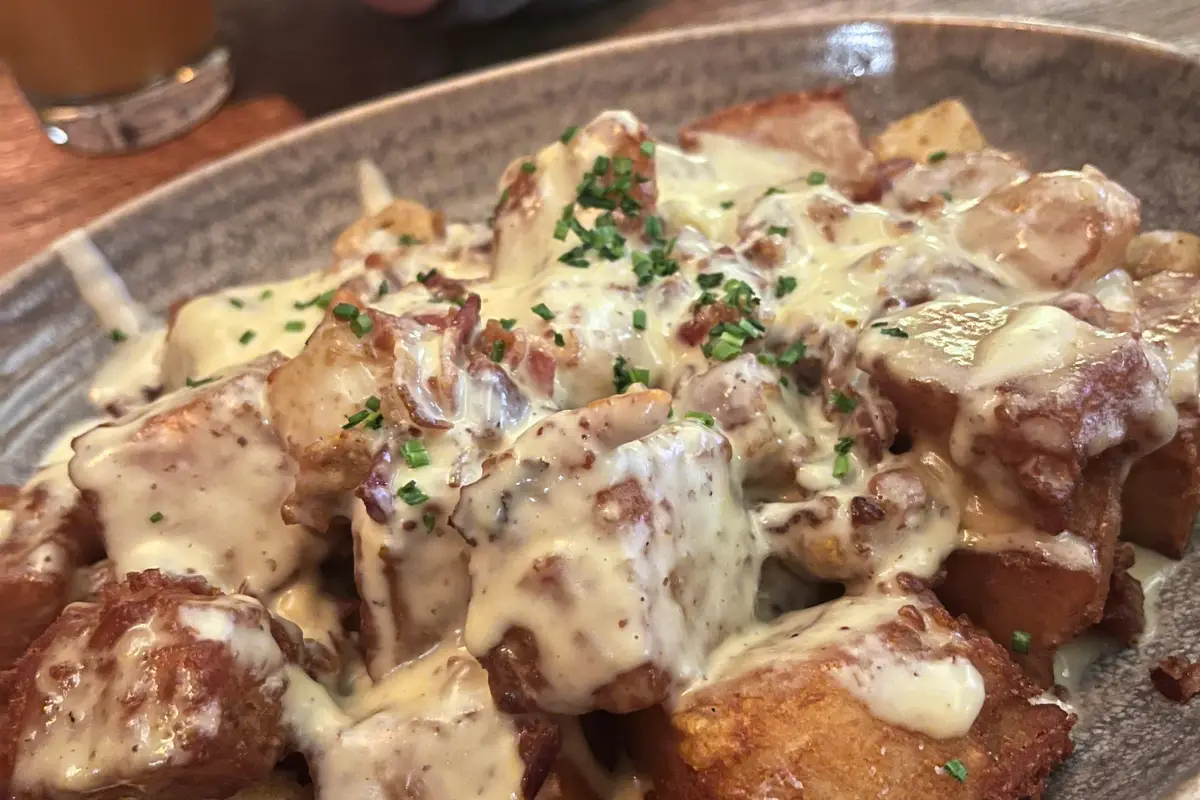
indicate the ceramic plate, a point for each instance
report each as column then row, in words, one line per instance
column 1059, row 96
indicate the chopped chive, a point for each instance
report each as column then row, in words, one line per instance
column 415, row 453
column 156, row 517
column 772, row 190
column 362, row 325
column 118, row 335
column 497, row 350
column 423, row 277
column 726, row 204
column 543, row 311
column 247, row 337
column 528, row 167
column 723, row 350
column 841, row 465
column 569, row 134
column 384, row 288
column 601, row 165
column 815, row 178
column 647, row 148
column 408, row 240
column 428, row 521
column 508, row 324
column 410, row 493
column 707, row 419
column 751, row 328
column 956, row 769
column 710, row 280
column 844, row 403
column 191, row 384
column 640, row 375
column 320, row 301
column 878, row 324
column 1021, row 641
column 785, row 286
column 558, row 339
column 897, row 333
column 706, row 299
column 936, row 156
column 355, row 418
column 793, row 354
column 844, row 445
column 653, row 227
column 949, row 198
column 267, row 294
column 293, row 326
column 767, row 359
column 778, row 230
column 237, row 302
column 783, row 381
column 345, row 311
column 639, row 319
column 372, row 403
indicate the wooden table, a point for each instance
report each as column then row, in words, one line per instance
column 297, row 59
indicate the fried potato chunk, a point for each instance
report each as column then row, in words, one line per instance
column 817, row 125
column 859, row 697
column 165, row 689
column 428, row 731
column 945, row 127
column 1054, row 231
column 957, row 178
column 1028, row 396
column 1015, row 580
column 1162, row 251
column 52, row 533
column 610, row 553
column 401, row 221
column 193, row 484
column 1162, row 493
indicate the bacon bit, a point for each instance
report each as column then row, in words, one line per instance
column 444, row 288
column 767, row 251
column 466, row 320
column 1176, row 678
column 374, row 261
column 514, row 346
column 827, row 214
column 542, row 366
column 704, row 318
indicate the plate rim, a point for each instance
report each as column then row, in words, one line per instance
column 565, row 55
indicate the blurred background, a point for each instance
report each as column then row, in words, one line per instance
column 293, row 60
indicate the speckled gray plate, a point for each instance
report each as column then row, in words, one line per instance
column 1059, row 96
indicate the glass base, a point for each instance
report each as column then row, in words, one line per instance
column 145, row 117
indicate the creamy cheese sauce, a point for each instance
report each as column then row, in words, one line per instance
column 615, row 549
column 613, row 531
column 112, row 715
column 193, row 484
column 430, row 727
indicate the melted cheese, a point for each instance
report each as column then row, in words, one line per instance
column 193, row 485
column 647, row 555
column 430, row 726
column 213, row 332
column 611, row 558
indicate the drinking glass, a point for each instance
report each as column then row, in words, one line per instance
column 109, row 76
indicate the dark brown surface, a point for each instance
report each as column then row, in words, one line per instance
column 303, row 58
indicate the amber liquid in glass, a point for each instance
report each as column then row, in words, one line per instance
column 80, row 49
